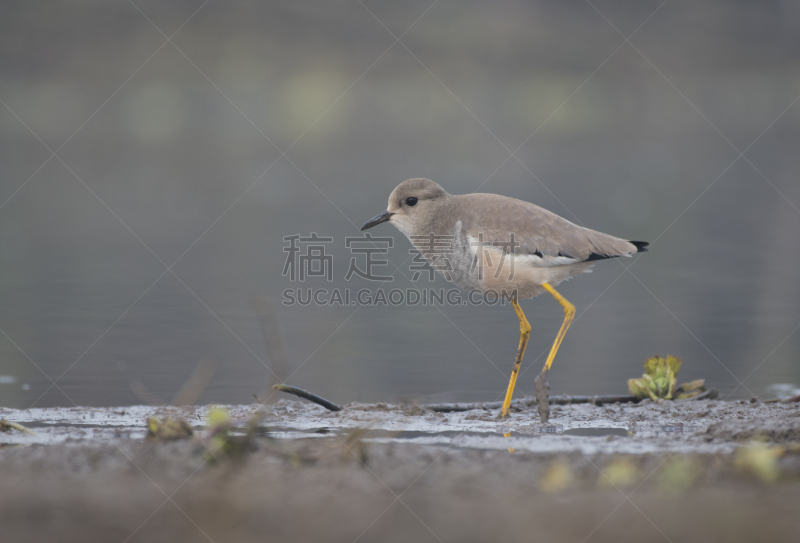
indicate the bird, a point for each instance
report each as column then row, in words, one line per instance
column 489, row 243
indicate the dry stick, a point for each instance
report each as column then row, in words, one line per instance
column 454, row 407
column 308, row 396
column 710, row 394
column 530, row 402
column 458, row 407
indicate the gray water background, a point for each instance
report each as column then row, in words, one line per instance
column 169, row 156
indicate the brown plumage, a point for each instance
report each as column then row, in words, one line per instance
column 488, row 242
column 540, row 246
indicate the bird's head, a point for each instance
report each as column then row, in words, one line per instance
column 411, row 205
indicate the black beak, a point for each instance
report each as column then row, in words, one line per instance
column 383, row 217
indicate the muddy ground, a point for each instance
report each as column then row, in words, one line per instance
column 675, row 471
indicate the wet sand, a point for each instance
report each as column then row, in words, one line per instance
column 654, row 472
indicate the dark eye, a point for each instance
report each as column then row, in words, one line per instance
column 412, row 201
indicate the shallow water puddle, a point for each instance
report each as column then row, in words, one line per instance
column 633, row 429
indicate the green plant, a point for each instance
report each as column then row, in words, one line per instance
column 659, row 378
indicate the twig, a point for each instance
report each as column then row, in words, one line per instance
column 529, row 402
column 308, row 396
column 542, row 393
column 597, row 400
column 523, row 402
column 458, row 407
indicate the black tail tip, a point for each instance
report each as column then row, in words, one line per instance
column 641, row 246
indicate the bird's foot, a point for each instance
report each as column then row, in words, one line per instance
column 542, row 390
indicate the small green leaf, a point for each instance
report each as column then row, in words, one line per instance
column 674, row 364
column 659, row 379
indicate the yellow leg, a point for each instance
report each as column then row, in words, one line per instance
column 524, row 334
column 569, row 314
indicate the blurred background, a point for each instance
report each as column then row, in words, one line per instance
column 154, row 156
